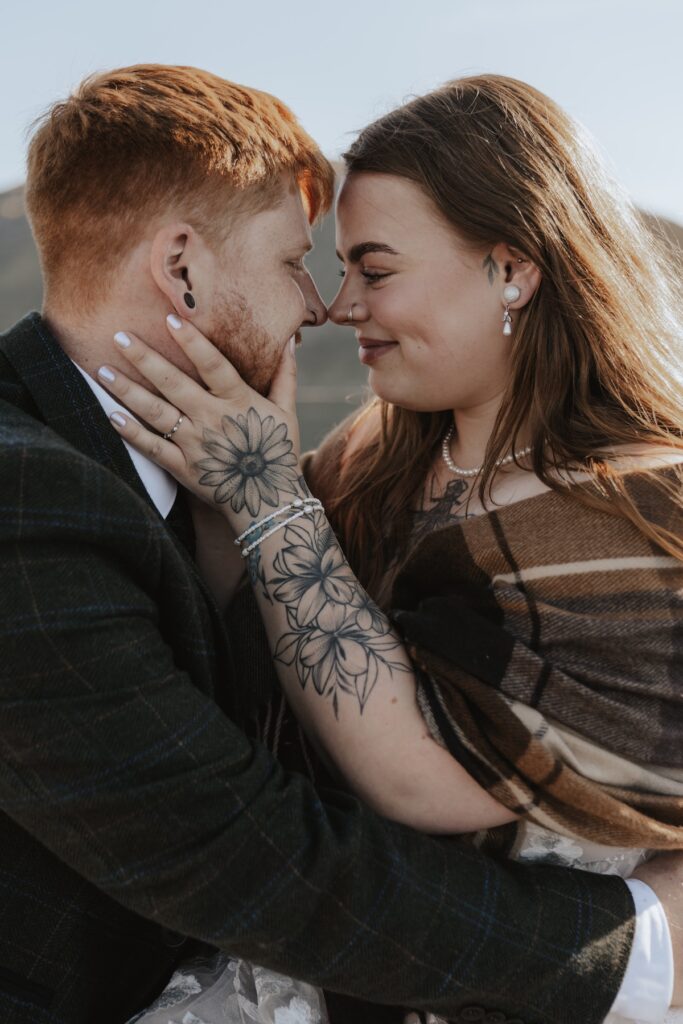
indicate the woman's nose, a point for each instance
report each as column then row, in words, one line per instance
column 345, row 312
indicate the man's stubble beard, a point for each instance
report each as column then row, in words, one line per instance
column 236, row 334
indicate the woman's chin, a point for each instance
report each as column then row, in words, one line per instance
column 395, row 396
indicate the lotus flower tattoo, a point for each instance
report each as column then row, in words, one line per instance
column 251, row 463
column 338, row 637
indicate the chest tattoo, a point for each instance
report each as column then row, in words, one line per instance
column 439, row 508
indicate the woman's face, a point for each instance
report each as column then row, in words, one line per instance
column 427, row 307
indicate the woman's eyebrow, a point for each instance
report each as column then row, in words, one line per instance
column 356, row 252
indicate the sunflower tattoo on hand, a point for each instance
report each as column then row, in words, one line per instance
column 251, row 464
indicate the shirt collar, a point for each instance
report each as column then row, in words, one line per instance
column 159, row 484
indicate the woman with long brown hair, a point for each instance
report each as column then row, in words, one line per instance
column 591, row 358
column 509, row 504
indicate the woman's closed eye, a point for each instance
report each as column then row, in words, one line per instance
column 371, row 276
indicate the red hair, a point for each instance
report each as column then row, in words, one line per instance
column 129, row 144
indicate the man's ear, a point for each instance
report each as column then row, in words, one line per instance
column 516, row 268
column 175, row 261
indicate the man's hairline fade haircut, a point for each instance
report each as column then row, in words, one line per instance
column 131, row 144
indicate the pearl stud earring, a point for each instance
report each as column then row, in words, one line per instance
column 510, row 293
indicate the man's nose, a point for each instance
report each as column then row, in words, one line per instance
column 316, row 310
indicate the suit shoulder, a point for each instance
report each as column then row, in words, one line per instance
column 25, row 437
column 49, row 487
column 18, row 425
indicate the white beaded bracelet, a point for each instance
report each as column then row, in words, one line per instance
column 307, row 510
column 297, row 503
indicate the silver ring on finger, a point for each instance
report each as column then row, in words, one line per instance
column 169, row 435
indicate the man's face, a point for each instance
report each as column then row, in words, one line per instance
column 263, row 291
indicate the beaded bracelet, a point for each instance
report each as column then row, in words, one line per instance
column 307, row 510
column 297, row 503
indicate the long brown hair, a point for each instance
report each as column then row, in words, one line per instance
column 597, row 354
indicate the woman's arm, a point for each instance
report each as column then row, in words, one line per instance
column 341, row 664
column 352, row 685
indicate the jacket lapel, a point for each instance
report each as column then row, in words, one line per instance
column 68, row 406
column 64, row 400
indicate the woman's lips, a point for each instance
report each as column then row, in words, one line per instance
column 372, row 349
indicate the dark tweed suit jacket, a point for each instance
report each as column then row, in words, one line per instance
column 134, row 812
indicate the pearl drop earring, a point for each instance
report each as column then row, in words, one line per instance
column 510, row 293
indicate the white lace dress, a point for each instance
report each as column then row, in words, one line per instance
column 221, row 990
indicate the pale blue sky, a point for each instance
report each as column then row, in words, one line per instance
column 617, row 65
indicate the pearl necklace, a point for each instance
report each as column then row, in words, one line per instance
column 446, row 456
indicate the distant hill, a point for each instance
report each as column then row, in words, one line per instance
column 20, row 288
column 331, row 380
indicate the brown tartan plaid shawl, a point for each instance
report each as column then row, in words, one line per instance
column 549, row 639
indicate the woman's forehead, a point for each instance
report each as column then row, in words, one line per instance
column 386, row 208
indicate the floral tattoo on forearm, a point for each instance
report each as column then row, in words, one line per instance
column 255, row 571
column 255, row 568
column 338, row 639
column 252, row 463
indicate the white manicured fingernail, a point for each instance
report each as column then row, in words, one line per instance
column 106, row 374
column 292, row 344
column 122, row 340
column 118, row 419
column 174, row 321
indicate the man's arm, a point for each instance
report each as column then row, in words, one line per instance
column 664, row 875
column 116, row 762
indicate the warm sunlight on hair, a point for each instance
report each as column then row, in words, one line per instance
column 132, row 143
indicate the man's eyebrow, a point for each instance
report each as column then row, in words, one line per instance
column 356, row 252
column 303, row 247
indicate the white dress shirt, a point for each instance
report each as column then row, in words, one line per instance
column 160, row 485
column 647, row 987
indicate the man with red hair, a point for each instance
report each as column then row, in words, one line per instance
column 136, row 813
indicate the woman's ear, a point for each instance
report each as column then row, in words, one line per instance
column 515, row 268
column 174, row 254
